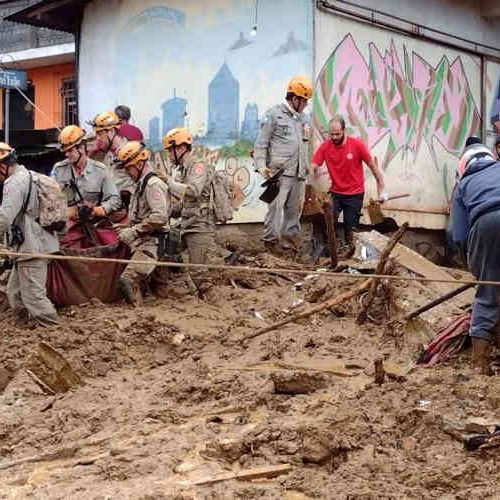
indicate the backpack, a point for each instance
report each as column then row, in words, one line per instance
column 221, row 196
column 52, row 202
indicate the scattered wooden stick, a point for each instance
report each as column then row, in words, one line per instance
column 61, row 453
column 339, row 299
column 330, row 231
column 249, row 474
column 436, row 302
column 363, row 315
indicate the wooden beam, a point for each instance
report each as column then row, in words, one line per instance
column 490, row 8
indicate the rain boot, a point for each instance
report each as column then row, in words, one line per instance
column 481, row 351
column 131, row 291
column 348, row 251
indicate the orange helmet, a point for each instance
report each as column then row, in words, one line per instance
column 5, row 150
column 70, row 136
column 176, row 137
column 130, row 154
column 105, row 121
column 300, row 86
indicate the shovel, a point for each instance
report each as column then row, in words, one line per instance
column 375, row 209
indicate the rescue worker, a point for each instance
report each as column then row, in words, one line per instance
column 475, row 228
column 149, row 217
column 282, row 144
column 106, row 127
column 193, row 189
column 85, row 182
column 26, row 288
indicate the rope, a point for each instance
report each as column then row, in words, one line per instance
column 243, row 269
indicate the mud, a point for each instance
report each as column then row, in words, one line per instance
column 171, row 394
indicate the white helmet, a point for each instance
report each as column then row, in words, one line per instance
column 471, row 154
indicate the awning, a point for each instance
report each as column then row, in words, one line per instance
column 62, row 15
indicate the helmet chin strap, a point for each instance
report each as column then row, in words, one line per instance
column 178, row 158
column 110, row 142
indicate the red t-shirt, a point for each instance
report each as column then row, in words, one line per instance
column 344, row 164
column 130, row 132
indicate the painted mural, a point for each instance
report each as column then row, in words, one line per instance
column 492, row 93
column 413, row 103
column 214, row 67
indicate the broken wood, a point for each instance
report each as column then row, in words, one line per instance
column 248, row 474
column 436, row 302
column 344, row 297
column 59, row 454
column 379, row 371
column 50, row 370
column 330, row 231
column 363, row 315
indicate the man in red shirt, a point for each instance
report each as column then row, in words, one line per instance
column 344, row 157
column 130, row 132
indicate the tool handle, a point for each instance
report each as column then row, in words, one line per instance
column 396, row 197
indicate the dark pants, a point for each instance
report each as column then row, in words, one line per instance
column 351, row 205
column 483, row 256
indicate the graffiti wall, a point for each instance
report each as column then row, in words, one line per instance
column 413, row 103
column 492, row 94
column 197, row 64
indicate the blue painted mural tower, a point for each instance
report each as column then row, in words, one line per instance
column 223, row 108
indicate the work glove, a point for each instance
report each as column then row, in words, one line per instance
column 265, row 172
column 383, row 197
column 127, row 235
column 72, row 213
column 98, row 211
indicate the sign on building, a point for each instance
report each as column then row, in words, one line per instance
column 12, row 79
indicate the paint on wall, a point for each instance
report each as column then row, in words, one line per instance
column 195, row 64
column 492, row 93
column 413, row 103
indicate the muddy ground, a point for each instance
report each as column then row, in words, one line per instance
column 173, row 395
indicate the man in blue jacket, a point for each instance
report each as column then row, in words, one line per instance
column 475, row 227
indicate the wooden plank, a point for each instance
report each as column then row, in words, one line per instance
column 267, row 472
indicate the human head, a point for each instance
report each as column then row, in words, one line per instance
column 106, row 127
column 336, row 130
column 71, row 143
column 298, row 93
column 178, row 142
column 471, row 154
column 497, row 147
column 472, row 140
column 8, row 158
column 132, row 157
column 123, row 113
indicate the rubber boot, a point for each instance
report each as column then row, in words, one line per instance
column 350, row 247
column 481, row 352
column 131, row 291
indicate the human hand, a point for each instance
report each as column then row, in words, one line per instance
column 98, row 211
column 72, row 213
column 383, row 197
column 265, row 172
column 127, row 235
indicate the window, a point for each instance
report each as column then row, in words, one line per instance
column 69, row 107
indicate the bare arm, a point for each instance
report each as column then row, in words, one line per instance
column 377, row 173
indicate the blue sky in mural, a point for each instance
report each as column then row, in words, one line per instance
column 181, row 46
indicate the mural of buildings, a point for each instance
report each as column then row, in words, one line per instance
column 154, row 133
column 223, row 108
column 174, row 113
column 250, row 124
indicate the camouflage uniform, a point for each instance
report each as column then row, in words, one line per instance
column 95, row 185
column 149, row 215
column 192, row 184
column 122, row 180
column 282, row 145
column 26, row 289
